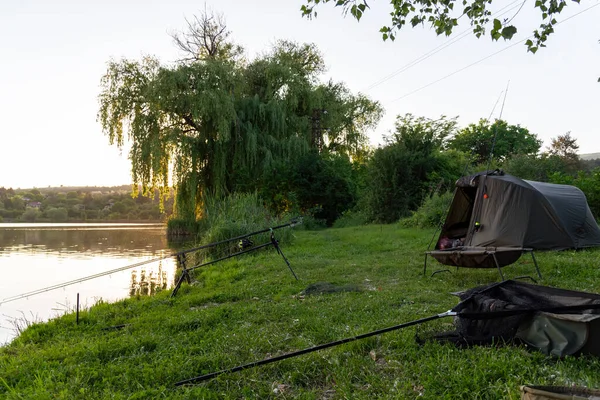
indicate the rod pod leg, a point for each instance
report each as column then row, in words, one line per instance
column 185, row 274
column 276, row 245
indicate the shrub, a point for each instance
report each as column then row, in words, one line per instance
column 236, row 215
column 589, row 183
column 31, row 215
column 59, row 214
column 351, row 218
column 315, row 185
column 400, row 177
column 431, row 212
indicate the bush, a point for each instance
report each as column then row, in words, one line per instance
column 351, row 218
column 59, row 214
column 534, row 167
column 589, row 183
column 31, row 215
column 400, row 177
column 310, row 223
column 431, row 212
column 316, row 185
column 10, row 214
column 236, row 215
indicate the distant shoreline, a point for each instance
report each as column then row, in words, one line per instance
column 87, row 222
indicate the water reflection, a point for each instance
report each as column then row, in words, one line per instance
column 33, row 258
column 149, row 282
column 82, row 239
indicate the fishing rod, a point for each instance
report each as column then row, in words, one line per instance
column 186, row 271
column 481, row 315
column 496, row 128
column 312, row 349
column 292, row 223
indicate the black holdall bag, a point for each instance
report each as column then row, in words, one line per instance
column 555, row 321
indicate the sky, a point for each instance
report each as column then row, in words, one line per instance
column 53, row 54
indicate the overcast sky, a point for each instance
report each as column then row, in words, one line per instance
column 54, row 52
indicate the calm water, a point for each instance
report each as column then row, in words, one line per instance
column 37, row 256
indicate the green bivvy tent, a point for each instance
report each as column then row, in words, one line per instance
column 494, row 217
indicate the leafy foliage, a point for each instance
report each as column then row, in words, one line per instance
column 353, row 217
column 88, row 204
column 431, row 213
column 59, row 214
column 401, row 173
column 443, row 17
column 505, row 139
column 216, row 124
column 534, row 167
column 565, row 147
column 589, row 183
column 31, row 215
column 320, row 186
column 234, row 215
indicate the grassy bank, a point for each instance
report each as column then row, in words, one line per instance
column 252, row 308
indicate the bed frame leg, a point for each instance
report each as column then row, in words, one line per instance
column 536, row 264
column 498, row 265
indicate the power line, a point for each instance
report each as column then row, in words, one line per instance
column 483, row 59
column 437, row 49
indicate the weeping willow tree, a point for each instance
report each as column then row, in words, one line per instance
column 214, row 123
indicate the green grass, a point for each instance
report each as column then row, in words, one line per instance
column 252, row 308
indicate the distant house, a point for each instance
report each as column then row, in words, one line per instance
column 34, row 204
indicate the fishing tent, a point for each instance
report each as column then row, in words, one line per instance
column 494, row 217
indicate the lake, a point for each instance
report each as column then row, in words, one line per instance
column 38, row 256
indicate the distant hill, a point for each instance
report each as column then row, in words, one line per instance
column 85, row 189
column 590, row 156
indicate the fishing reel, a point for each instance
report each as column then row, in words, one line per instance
column 245, row 244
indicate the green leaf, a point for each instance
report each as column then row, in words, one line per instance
column 497, row 25
column 508, row 32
